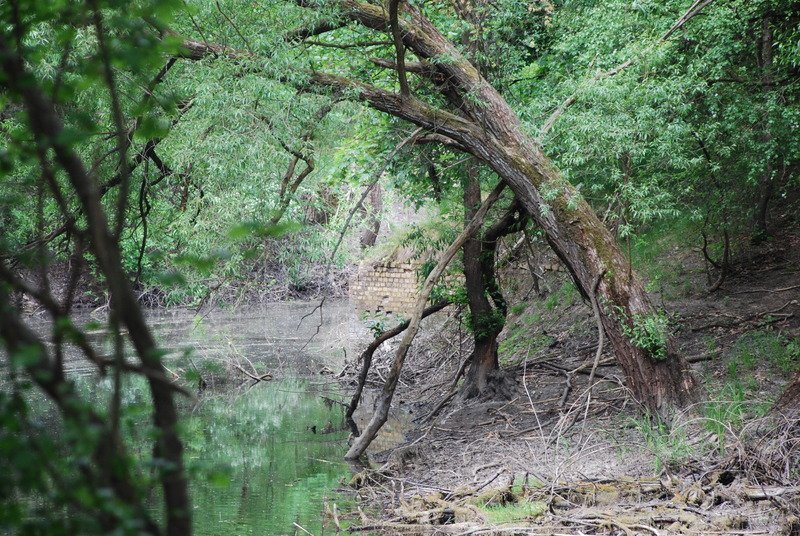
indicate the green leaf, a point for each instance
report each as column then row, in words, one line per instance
column 152, row 127
column 259, row 230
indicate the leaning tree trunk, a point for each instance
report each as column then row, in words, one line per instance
column 366, row 361
column 486, row 323
column 488, row 128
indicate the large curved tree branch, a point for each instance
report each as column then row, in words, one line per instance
column 411, row 109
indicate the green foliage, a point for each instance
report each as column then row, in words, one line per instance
column 754, row 359
column 688, row 129
column 522, row 339
column 668, row 445
column 658, row 252
column 688, row 133
column 518, row 308
column 650, row 332
column 45, row 489
column 72, row 467
column 377, row 323
column 726, row 410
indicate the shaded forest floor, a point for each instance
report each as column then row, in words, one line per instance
column 553, row 460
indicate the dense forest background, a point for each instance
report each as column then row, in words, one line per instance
column 171, row 153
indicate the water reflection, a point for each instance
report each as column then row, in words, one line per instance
column 265, row 455
column 262, row 456
column 265, row 459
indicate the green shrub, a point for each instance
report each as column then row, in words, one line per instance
column 649, row 332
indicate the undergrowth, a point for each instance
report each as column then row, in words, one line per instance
column 735, row 399
column 668, row 445
column 509, row 513
column 756, row 359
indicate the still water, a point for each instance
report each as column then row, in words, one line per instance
column 263, row 457
column 268, row 455
column 260, row 467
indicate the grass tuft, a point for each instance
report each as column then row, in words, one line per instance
column 513, row 512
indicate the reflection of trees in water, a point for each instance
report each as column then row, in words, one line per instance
column 261, row 466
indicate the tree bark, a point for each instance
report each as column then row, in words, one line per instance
column 487, row 306
column 381, row 413
column 490, row 130
column 485, row 325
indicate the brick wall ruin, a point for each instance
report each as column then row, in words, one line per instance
column 389, row 287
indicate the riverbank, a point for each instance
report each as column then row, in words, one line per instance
column 564, row 457
column 262, row 283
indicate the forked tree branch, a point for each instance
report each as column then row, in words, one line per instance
column 384, row 402
column 366, row 360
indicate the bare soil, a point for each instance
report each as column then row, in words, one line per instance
column 573, row 460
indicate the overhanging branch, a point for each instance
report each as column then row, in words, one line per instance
column 411, row 109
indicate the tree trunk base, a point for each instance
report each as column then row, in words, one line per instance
column 789, row 402
column 498, row 385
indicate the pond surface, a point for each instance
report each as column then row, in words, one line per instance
column 264, row 457
column 268, row 455
column 261, row 468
